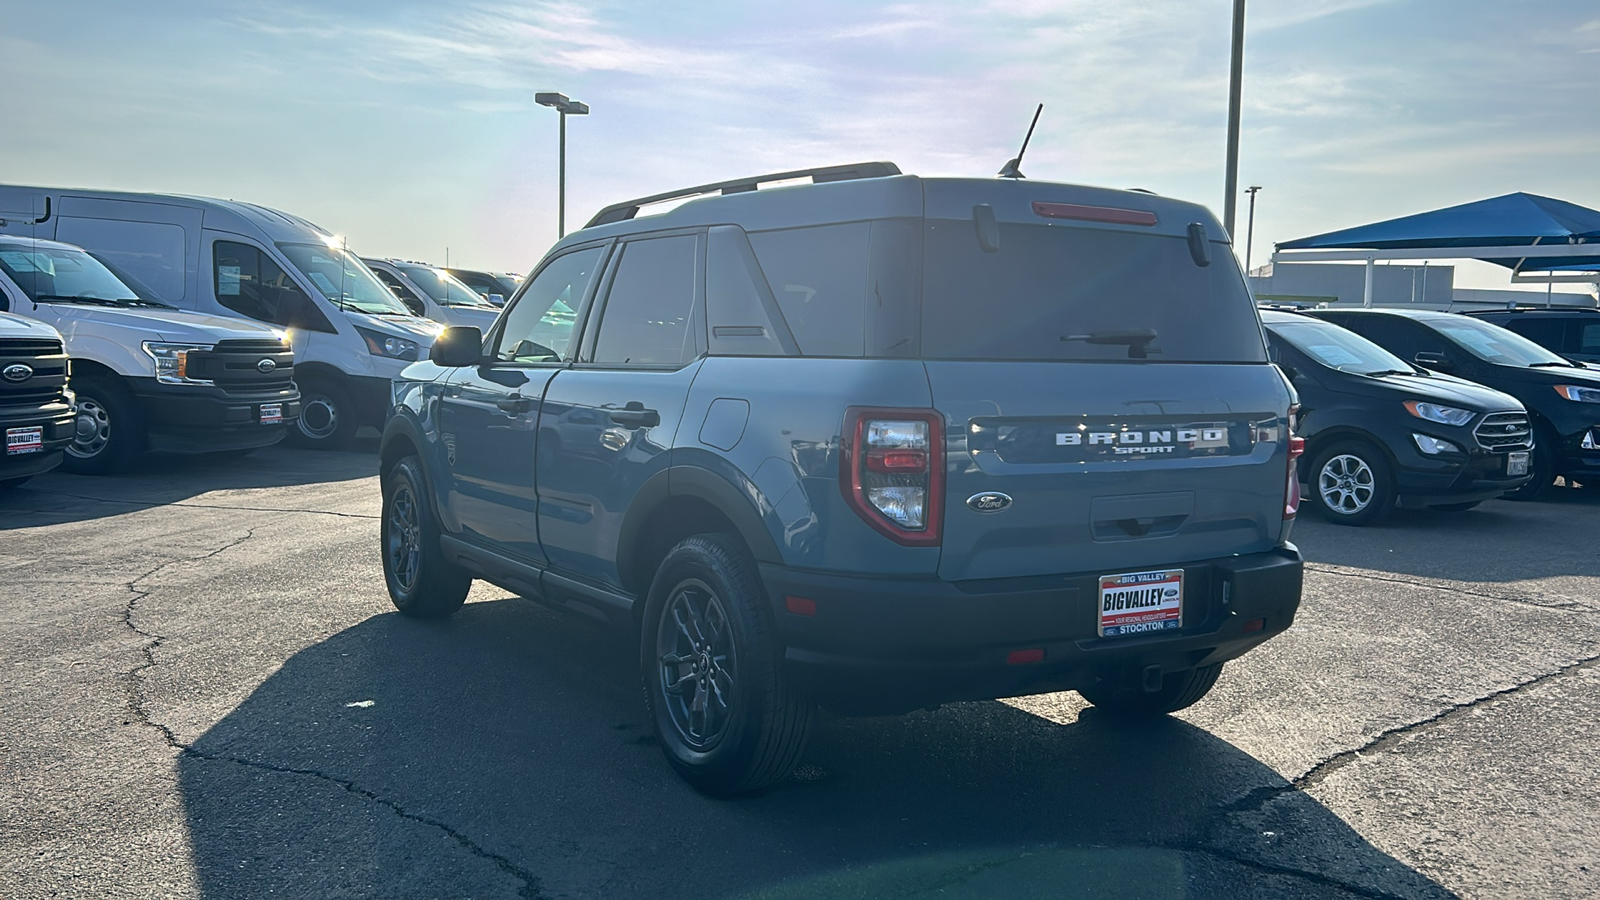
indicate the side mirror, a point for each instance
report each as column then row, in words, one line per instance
column 458, row 346
column 1434, row 361
column 497, row 299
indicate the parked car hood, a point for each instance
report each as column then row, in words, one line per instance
column 147, row 324
column 1447, row 390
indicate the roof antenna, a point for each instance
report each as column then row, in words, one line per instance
column 1013, row 168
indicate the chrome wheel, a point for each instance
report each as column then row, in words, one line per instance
column 1346, row 484
column 319, row 417
column 697, row 664
column 93, row 429
column 403, row 544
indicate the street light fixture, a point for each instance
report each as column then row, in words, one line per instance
column 1250, row 229
column 566, row 107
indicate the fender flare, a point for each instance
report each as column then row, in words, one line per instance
column 738, row 505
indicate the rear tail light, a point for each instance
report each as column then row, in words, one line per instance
column 1297, row 447
column 892, row 471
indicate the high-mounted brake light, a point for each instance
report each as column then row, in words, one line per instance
column 891, row 471
column 1113, row 214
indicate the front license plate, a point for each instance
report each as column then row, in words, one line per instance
column 26, row 439
column 1517, row 463
column 271, row 413
column 1141, row 602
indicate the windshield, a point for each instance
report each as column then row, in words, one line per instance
column 1338, row 348
column 140, row 289
column 1492, row 343
column 59, row 274
column 444, row 288
column 486, row 283
column 343, row 278
column 1068, row 293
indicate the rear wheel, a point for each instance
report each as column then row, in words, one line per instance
column 726, row 713
column 1352, row 484
column 110, row 430
column 327, row 415
column 1179, row 690
column 422, row 583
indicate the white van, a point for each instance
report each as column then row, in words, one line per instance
column 434, row 293
column 351, row 335
column 148, row 376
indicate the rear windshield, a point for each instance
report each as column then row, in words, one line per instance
column 1053, row 292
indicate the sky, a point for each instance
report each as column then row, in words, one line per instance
column 410, row 127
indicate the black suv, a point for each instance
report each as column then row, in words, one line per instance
column 876, row 442
column 1562, row 397
column 35, row 407
column 1380, row 431
column 1573, row 333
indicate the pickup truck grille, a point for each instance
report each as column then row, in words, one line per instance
column 236, row 366
column 1504, row 431
column 48, row 362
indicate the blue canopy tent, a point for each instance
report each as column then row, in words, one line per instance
column 1523, row 232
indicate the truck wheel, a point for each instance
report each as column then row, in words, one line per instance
column 1352, row 484
column 725, row 711
column 110, row 431
column 327, row 416
column 1542, row 464
column 1179, row 690
column 422, row 583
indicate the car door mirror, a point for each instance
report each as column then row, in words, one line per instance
column 457, row 346
column 1435, row 361
column 497, row 299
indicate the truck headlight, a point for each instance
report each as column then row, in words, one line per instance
column 172, row 361
column 1579, row 393
column 389, row 346
column 1444, row 415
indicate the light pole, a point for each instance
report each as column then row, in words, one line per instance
column 1250, row 229
column 1235, row 77
column 565, row 107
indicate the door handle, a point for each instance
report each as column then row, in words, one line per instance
column 634, row 415
column 516, row 404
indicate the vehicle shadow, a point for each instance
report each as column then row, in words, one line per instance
column 505, row 752
column 161, row 479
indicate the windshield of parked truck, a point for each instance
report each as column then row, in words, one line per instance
column 1338, row 348
column 444, row 288
column 56, row 274
column 344, row 279
column 1491, row 343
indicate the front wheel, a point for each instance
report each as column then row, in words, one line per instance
column 1179, row 690
column 109, row 428
column 422, row 583
column 725, row 712
column 327, row 418
column 1352, row 484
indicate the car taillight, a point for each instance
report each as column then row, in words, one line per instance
column 892, row 471
column 1297, row 447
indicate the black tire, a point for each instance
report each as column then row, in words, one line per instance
column 1543, row 466
column 708, row 640
column 327, row 418
column 1456, row 507
column 110, row 428
column 1351, row 483
column 422, row 583
column 1179, row 690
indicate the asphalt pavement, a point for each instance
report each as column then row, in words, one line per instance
column 206, row 693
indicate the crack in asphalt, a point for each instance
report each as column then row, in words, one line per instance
column 316, row 512
column 1526, row 600
column 531, row 889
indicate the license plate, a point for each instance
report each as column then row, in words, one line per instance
column 1517, row 463
column 26, row 439
column 1141, row 602
column 271, row 413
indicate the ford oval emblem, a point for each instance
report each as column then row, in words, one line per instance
column 989, row 501
column 17, row 373
column 266, row 366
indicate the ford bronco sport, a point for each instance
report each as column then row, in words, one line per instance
column 875, row 442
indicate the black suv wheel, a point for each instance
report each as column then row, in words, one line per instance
column 1352, row 483
column 726, row 715
column 422, row 583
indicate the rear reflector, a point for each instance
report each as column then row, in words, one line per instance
column 1254, row 625
column 1112, row 214
column 800, row 606
column 1024, row 657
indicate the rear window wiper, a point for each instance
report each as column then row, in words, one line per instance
column 1137, row 340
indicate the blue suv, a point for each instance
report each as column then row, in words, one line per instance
column 875, row 443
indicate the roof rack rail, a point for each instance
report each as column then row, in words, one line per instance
column 621, row 212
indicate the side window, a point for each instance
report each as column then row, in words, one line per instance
column 648, row 311
column 1588, row 338
column 819, row 276
column 248, row 282
column 1542, row 331
column 740, row 308
column 538, row 326
column 411, row 300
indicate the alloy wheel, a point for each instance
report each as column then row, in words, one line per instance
column 1346, row 484
column 404, row 540
column 697, row 664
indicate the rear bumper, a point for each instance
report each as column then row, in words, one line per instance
column 200, row 419
column 895, row 644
